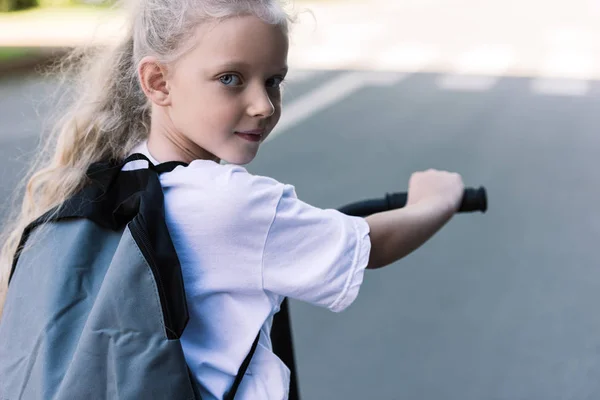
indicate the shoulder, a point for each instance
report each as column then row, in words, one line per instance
column 229, row 188
column 230, row 179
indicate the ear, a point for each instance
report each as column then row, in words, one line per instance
column 153, row 79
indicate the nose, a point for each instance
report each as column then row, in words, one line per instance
column 260, row 104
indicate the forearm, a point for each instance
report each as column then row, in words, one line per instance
column 395, row 234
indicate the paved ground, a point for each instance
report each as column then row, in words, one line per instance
column 497, row 306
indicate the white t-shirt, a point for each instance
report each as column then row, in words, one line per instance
column 244, row 243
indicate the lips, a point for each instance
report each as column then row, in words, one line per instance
column 253, row 132
column 254, row 135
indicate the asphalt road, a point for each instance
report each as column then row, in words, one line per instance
column 496, row 306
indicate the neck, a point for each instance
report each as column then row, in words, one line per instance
column 165, row 143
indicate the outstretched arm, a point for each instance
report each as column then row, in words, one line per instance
column 433, row 198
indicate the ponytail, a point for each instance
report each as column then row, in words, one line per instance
column 107, row 116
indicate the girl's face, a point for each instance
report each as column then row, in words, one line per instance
column 224, row 95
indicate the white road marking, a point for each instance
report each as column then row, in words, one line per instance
column 567, row 67
column 330, row 93
column 467, row 83
column 560, row 86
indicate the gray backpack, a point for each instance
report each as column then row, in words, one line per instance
column 96, row 304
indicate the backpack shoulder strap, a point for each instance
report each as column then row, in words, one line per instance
column 283, row 345
column 242, row 371
column 106, row 182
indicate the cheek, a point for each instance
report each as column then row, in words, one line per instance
column 191, row 104
column 277, row 105
column 183, row 99
column 223, row 105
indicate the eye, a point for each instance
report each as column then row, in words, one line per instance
column 230, row 80
column 275, row 82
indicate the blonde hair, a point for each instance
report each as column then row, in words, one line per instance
column 107, row 112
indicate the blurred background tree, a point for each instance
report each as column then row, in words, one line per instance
column 15, row 5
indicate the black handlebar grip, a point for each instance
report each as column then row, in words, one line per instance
column 396, row 200
column 474, row 200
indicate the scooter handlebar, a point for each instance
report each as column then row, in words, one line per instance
column 474, row 199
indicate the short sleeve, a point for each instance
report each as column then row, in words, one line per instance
column 315, row 255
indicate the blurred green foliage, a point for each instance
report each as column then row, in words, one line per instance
column 9, row 53
column 16, row 5
column 69, row 3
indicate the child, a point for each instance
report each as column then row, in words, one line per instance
column 199, row 82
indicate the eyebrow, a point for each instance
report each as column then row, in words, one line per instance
column 243, row 65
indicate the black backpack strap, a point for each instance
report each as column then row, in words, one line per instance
column 109, row 183
column 242, row 371
column 283, row 345
column 114, row 198
column 168, row 166
column 116, row 188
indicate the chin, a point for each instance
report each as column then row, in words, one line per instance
column 240, row 159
